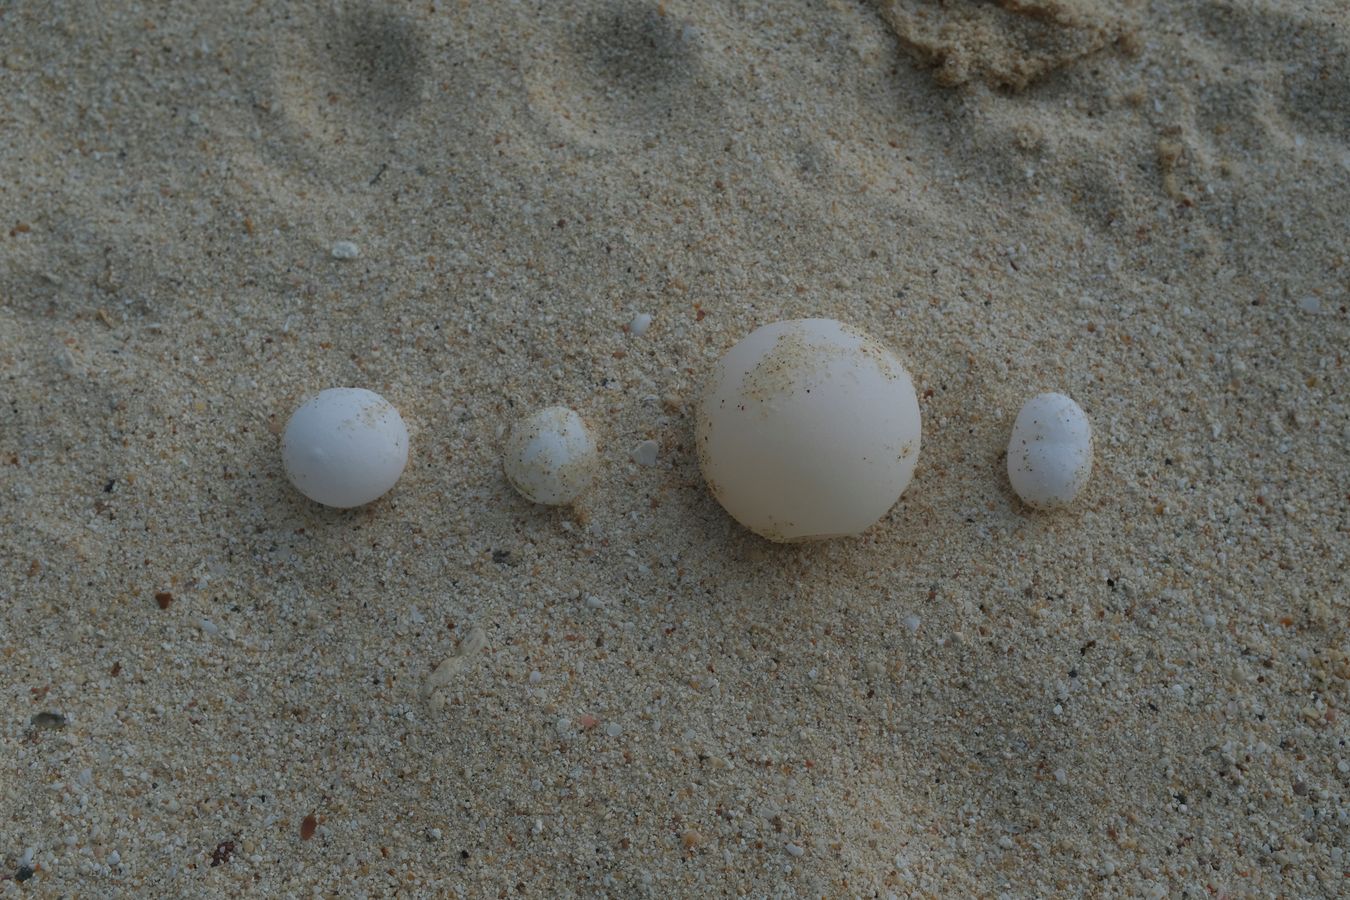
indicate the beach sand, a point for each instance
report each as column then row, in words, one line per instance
column 214, row 687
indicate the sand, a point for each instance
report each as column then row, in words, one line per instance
column 213, row 687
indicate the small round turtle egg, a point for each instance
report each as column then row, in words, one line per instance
column 550, row 456
column 808, row 429
column 344, row 447
column 1050, row 451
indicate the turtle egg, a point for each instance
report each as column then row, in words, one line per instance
column 1050, row 451
column 550, row 456
column 344, row 447
column 808, row 429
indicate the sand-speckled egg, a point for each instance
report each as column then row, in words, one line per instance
column 550, row 456
column 808, row 429
column 1050, row 451
column 344, row 447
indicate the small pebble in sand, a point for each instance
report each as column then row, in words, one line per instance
column 641, row 322
column 344, row 447
column 808, row 429
column 912, row 622
column 644, row 454
column 550, row 457
column 346, row 250
column 1050, row 451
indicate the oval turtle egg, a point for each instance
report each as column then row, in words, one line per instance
column 808, row 429
column 344, row 447
column 550, row 456
column 1050, row 451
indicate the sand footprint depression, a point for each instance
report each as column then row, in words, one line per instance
column 625, row 71
column 342, row 88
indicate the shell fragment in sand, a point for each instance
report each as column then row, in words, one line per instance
column 437, row 683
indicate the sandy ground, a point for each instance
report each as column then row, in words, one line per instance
column 213, row 687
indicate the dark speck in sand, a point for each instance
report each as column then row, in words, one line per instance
column 223, row 853
column 48, row 720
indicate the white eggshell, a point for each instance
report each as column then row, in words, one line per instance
column 550, row 456
column 344, row 447
column 808, row 429
column 1050, row 451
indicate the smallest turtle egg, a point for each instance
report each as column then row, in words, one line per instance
column 344, row 447
column 550, row 456
column 1050, row 451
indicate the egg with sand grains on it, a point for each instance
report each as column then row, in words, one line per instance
column 1050, row 451
column 344, row 447
column 550, row 457
column 808, row 429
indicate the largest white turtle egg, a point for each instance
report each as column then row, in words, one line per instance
column 808, row 429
